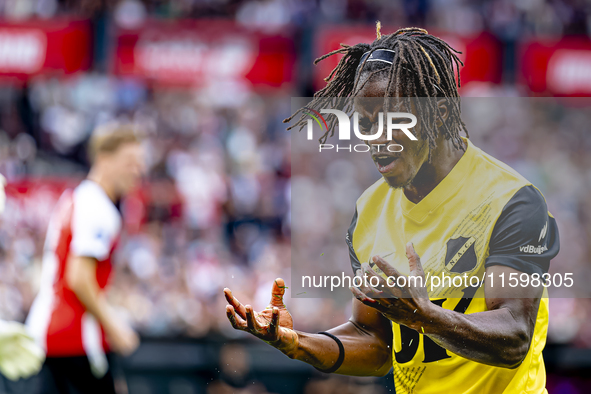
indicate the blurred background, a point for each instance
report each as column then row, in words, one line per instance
column 210, row 82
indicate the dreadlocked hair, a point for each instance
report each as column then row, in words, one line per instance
column 423, row 66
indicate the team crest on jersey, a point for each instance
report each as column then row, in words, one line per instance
column 460, row 255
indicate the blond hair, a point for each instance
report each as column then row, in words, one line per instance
column 109, row 137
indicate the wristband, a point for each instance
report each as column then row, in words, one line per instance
column 341, row 358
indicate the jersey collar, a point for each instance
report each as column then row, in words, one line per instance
column 447, row 188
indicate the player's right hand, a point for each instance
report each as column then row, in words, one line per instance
column 273, row 325
column 122, row 338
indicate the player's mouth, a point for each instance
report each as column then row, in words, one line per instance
column 385, row 163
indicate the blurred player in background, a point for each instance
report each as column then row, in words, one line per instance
column 70, row 317
column 464, row 211
column 20, row 357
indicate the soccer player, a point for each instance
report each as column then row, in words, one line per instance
column 70, row 317
column 463, row 211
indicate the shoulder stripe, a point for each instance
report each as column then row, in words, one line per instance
column 355, row 264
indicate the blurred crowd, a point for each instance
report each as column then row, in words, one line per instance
column 508, row 19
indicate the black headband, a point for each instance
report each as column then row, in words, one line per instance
column 385, row 56
column 379, row 55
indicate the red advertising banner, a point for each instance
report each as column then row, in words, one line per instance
column 558, row 68
column 44, row 46
column 192, row 52
column 481, row 54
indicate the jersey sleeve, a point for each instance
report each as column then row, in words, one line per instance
column 93, row 231
column 525, row 236
column 355, row 264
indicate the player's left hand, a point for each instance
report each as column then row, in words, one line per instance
column 409, row 304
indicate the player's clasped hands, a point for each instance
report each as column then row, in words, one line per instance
column 406, row 304
column 273, row 325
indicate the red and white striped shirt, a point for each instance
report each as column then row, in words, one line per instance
column 86, row 223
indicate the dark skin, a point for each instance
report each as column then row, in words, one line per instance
column 500, row 336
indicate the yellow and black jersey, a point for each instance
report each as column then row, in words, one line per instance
column 482, row 213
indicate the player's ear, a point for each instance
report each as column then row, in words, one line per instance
column 443, row 112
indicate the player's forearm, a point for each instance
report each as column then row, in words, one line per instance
column 88, row 293
column 493, row 337
column 366, row 354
